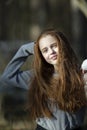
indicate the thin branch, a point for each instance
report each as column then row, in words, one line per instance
column 82, row 5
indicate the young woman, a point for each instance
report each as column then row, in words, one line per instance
column 56, row 95
column 55, row 86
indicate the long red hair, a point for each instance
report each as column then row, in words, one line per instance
column 66, row 90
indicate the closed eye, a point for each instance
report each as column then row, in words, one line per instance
column 54, row 45
column 44, row 50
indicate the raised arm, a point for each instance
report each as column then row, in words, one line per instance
column 84, row 71
column 12, row 74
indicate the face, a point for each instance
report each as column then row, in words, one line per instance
column 49, row 48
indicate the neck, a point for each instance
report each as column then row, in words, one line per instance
column 55, row 69
column 55, row 73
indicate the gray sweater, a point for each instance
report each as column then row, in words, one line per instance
column 13, row 76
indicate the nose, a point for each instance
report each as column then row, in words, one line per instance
column 51, row 51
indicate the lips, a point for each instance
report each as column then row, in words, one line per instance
column 54, row 57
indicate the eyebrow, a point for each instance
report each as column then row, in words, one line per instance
column 54, row 43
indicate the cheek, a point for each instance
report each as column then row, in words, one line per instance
column 57, row 50
column 45, row 56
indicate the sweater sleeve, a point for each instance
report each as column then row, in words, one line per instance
column 13, row 75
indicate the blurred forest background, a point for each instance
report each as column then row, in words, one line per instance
column 21, row 21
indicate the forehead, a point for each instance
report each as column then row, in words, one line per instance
column 47, row 40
